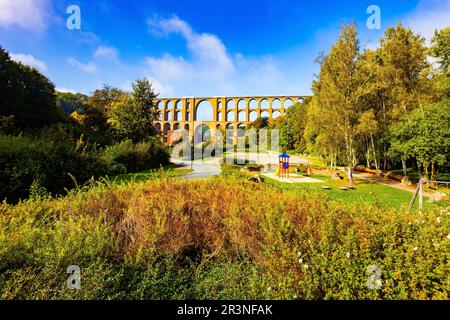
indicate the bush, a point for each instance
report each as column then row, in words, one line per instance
column 45, row 162
column 219, row 239
column 129, row 157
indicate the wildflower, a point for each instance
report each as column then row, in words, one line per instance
column 294, row 296
column 384, row 245
column 415, row 248
column 448, row 237
column 300, row 260
column 438, row 220
column 306, row 266
column 347, row 255
column 299, row 253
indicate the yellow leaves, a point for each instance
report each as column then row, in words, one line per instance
column 78, row 118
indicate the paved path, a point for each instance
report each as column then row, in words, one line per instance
column 211, row 166
column 201, row 169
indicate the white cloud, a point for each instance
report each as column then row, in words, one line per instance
column 429, row 16
column 63, row 89
column 89, row 67
column 32, row 15
column 207, row 50
column 207, row 70
column 171, row 68
column 106, row 52
column 163, row 90
column 29, row 60
column 210, row 69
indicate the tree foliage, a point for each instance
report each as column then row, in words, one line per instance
column 132, row 115
column 27, row 96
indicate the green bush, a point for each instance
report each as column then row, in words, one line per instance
column 46, row 162
column 219, row 239
column 129, row 157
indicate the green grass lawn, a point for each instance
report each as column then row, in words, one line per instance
column 366, row 192
column 171, row 171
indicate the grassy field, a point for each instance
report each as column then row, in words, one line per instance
column 378, row 195
column 366, row 192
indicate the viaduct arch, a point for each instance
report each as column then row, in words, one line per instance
column 221, row 112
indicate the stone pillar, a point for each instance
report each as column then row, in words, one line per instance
column 259, row 107
column 214, row 103
column 247, row 111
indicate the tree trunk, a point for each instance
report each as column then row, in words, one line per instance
column 427, row 172
column 433, row 172
column 349, row 156
column 350, row 176
column 374, row 153
column 404, row 168
column 368, row 156
column 419, row 169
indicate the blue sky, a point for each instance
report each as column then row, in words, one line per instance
column 196, row 48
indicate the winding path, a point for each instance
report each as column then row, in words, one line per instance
column 201, row 169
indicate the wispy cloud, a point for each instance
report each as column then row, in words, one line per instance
column 209, row 69
column 207, row 51
column 105, row 52
column 89, row 67
column 33, row 15
column 29, row 60
column 429, row 16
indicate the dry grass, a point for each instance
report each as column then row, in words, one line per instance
column 207, row 223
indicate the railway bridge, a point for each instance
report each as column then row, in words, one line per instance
column 217, row 113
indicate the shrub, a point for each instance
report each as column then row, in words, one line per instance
column 130, row 157
column 46, row 161
column 221, row 239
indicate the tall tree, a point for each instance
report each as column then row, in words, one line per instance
column 27, row 96
column 401, row 82
column 132, row 116
column 339, row 91
column 292, row 129
column 424, row 134
column 440, row 50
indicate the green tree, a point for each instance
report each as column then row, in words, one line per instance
column 424, row 134
column 71, row 102
column 338, row 93
column 399, row 84
column 26, row 95
column 259, row 123
column 440, row 50
column 132, row 115
column 368, row 128
column 292, row 129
